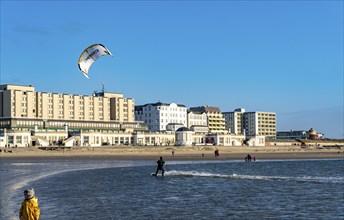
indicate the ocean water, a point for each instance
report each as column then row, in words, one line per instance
column 98, row 188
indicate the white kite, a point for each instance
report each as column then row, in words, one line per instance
column 89, row 55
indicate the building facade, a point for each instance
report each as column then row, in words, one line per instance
column 259, row 123
column 24, row 102
column 215, row 119
column 23, row 110
column 250, row 124
column 233, row 121
column 158, row 115
column 30, row 118
column 197, row 119
column 121, row 109
column 300, row 134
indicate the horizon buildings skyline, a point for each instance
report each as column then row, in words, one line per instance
column 119, row 98
column 32, row 118
column 105, row 106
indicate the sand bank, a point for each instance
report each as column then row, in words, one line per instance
column 180, row 153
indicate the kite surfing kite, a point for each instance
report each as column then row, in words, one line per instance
column 89, row 55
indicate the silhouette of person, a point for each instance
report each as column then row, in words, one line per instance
column 216, row 153
column 248, row 158
column 160, row 163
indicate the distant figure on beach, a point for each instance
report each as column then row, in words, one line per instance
column 160, row 163
column 29, row 209
column 248, row 158
column 173, row 153
column 254, row 159
column 216, row 153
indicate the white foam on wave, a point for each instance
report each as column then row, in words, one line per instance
column 26, row 164
column 61, row 168
column 172, row 198
column 256, row 177
column 193, row 173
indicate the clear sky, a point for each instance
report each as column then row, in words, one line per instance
column 276, row 56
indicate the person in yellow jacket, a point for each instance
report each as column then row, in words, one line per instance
column 29, row 209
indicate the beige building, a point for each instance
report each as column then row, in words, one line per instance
column 122, row 109
column 260, row 123
column 216, row 121
column 251, row 123
column 17, row 101
column 23, row 109
column 24, row 102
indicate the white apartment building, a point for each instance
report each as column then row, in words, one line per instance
column 215, row 119
column 158, row 115
column 197, row 119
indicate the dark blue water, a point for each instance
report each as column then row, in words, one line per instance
column 79, row 188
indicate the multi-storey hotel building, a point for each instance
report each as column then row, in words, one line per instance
column 24, row 102
column 24, row 109
column 216, row 121
column 233, row 121
column 158, row 115
column 251, row 123
column 260, row 123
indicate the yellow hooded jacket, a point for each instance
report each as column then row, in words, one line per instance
column 29, row 209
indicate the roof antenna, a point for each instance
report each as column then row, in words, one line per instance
column 103, row 89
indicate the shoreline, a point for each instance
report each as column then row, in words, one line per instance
column 180, row 153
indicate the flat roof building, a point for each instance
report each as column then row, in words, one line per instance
column 22, row 106
column 158, row 115
column 216, row 121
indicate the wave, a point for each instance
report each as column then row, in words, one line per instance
column 28, row 174
column 26, row 164
column 315, row 179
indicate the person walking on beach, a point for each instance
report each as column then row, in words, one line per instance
column 216, row 152
column 29, row 209
column 160, row 163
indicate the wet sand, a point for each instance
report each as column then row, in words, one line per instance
column 180, row 153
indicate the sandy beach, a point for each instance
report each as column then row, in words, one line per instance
column 180, row 153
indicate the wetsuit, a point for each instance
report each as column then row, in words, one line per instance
column 160, row 163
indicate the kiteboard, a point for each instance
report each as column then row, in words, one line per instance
column 159, row 175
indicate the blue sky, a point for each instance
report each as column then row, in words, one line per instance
column 279, row 56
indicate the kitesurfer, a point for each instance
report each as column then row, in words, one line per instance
column 160, row 163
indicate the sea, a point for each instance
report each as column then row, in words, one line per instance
column 108, row 188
